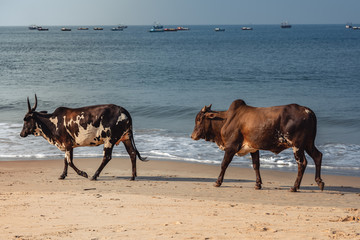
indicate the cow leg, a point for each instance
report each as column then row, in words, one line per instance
column 107, row 157
column 225, row 163
column 316, row 155
column 69, row 158
column 302, row 162
column 64, row 174
column 132, row 153
column 256, row 165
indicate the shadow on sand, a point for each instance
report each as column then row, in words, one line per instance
column 174, row 179
column 329, row 189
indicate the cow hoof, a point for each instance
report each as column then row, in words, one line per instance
column 257, row 187
column 93, row 178
column 293, row 189
column 321, row 186
column 216, row 184
column 84, row 174
column 132, row 179
column 62, row 177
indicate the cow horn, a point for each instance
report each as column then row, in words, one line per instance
column 35, row 105
column 28, row 103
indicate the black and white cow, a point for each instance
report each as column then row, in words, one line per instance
column 68, row 128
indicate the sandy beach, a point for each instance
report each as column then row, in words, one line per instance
column 171, row 200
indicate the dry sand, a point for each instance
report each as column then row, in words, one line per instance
column 171, row 200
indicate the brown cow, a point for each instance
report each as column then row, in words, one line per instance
column 243, row 129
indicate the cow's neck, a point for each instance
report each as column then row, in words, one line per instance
column 44, row 126
column 216, row 126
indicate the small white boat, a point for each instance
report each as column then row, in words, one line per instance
column 66, row 29
column 118, row 28
column 348, row 25
column 246, row 28
column 219, row 29
column 33, row 27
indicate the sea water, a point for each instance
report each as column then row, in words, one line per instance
column 164, row 79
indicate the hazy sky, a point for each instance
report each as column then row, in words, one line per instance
column 184, row 12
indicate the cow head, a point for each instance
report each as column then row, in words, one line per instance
column 202, row 129
column 29, row 120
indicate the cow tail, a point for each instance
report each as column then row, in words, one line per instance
column 137, row 152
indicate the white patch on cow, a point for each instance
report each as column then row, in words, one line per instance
column 245, row 149
column 295, row 149
column 121, row 118
column 221, row 147
column 67, row 156
column 88, row 136
column 307, row 111
column 55, row 121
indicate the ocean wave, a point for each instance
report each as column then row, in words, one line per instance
column 171, row 111
column 163, row 144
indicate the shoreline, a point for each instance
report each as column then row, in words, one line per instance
column 171, row 199
column 325, row 170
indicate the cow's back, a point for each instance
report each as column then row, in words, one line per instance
column 270, row 128
column 94, row 125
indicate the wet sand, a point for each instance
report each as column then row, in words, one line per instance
column 171, row 200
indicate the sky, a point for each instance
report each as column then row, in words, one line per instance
column 177, row 12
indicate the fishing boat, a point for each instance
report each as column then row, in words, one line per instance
column 83, row 28
column 157, row 28
column 285, row 25
column 118, row 28
column 246, row 28
column 182, row 28
column 98, row 28
column 42, row 29
column 348, row 25
column 219, row 29
column 170, row 29
column 66, row 29
column 33, row 27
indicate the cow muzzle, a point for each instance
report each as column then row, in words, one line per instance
column 23, row 134
column 195, row 136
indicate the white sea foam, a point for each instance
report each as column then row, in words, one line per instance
column 165, row 145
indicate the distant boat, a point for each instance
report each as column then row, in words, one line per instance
column 157, row 28
column 219, row 29
column 33, row 27
column 170, row 29
column 98, row 28
column 66, row 29
column 83, row 28
column 182, row 28
column 246, row 28
column 118, row 28
column 42, row 29
column 348, row 25
column 285, row 25
column 355, row 28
